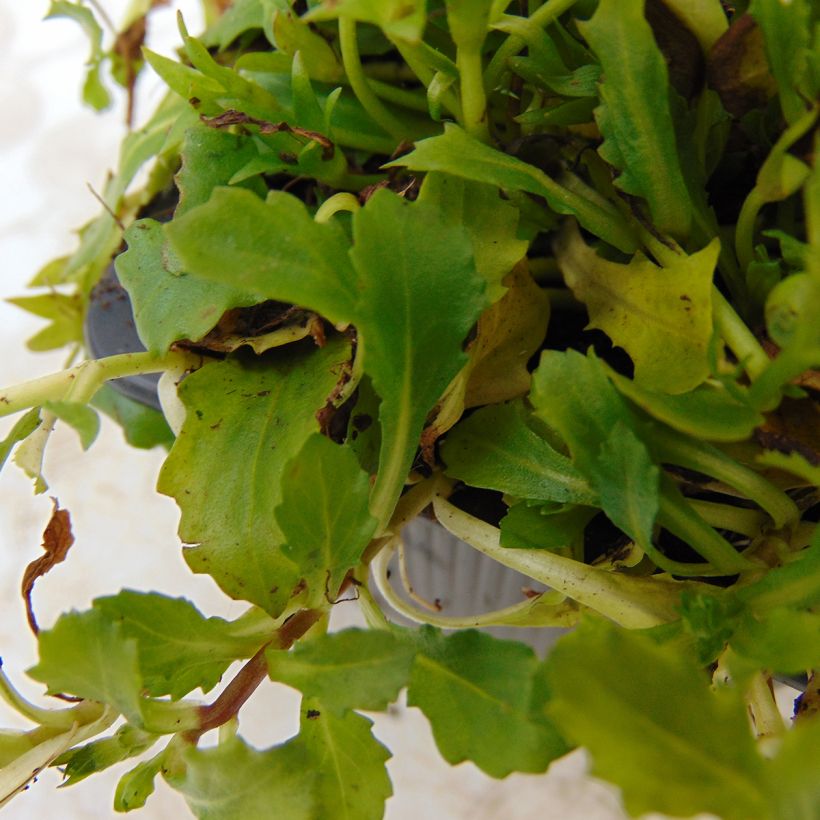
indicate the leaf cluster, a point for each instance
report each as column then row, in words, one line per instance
column 550, row 270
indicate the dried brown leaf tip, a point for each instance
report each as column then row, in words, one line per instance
column 57, row 540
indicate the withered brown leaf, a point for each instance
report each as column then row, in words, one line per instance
column 57, row 540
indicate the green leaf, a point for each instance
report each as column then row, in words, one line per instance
column 142, row 426
column 573, row 396
column 786, row 34
column 795, row 584
column 709, row 412
column 293, row 36
column 783, row 641
column 65, row 313
column 135, row 787
column 793, row 783
column 477, row 693
column 351, row 782
column 94, row 92
column 635, row 117
column 681, row 747
column 495, row 449
column 628, row 483
column 210, row 158
column 245, row 420
column 177, row 647
column 23, row 428
column 127, row 741
column 352, row 669
column 81, row 417
column 413, row 322
column 661, row 316
column 324, row 515
column 87, row 655
column 274, row 249
column 241, row 16
column 233, row 780
column 456, row 153
column 491, row 223
column 169, row 304
column 530, row 527
column 399, row 19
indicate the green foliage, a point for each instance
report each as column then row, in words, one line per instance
column 635, row 117
column 478, row 692
column 636, row 304
column 324, row 515
column 264, row 414
column 682, row 747
column 548, row 269
column 353, row 669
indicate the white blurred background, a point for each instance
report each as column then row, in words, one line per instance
column 51, row 148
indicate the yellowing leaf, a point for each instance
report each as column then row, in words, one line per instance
column 661, row 316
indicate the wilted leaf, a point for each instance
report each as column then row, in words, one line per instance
column 57, row 541
column 661, row 316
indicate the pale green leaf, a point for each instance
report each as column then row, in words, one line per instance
column 353, row 669
column 495, row 449
column 23, row 428
column 245, row 420
column 635, row 117
column 351, row 782
column 65, row 313
column 170, row 304
column 324, row 515
column 135, row 787
column 456, row 153
column 794, row 787
column 274, row 249
column 661, row 316
column 783, row 641
column 81, row 417
column 491, row 223
column 85, row 654
column 94, row 92
column 233, row 780
column 127, row 741
column 681, row 747
column 178, row 648
column 477, row 693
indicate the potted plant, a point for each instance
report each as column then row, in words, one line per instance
column 546, row 272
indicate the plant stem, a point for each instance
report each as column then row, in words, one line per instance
column 765, row 714
column 82, row 381
column 631, row 601
column 83, row 713
column 737, row 336
column 744, row 230
column 414, row 56
column 532, row 612
column 236, row 694
column 473, row 99
column 550, row 11
column 361, row 85
column 336, row 203
column 675, row 449
column 681, row 520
